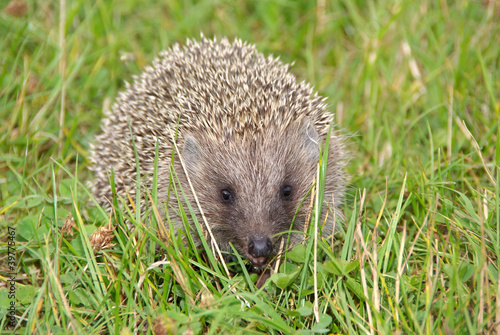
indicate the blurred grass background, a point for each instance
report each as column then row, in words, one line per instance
column 414, row 83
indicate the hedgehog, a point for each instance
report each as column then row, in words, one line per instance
column 239, row 132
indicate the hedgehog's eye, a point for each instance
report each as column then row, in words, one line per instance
column 226, row 196
column 286, row 192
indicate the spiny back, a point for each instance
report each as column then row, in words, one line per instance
column 220, row 88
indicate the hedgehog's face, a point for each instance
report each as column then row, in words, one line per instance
column 250, row 190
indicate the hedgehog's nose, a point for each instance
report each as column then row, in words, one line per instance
column 260, row 246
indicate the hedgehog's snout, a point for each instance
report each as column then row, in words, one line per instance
column 259, row 248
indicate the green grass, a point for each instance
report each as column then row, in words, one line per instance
column 416, row 85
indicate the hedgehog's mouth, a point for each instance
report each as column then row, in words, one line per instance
column 257, row 262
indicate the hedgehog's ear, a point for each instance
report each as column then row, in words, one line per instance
column 310, row 140
column 190, row 152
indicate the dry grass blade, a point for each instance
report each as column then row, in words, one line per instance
column 207, row 226
column 472, row 140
